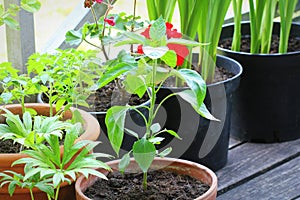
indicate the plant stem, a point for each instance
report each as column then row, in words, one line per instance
column 132, row 25
column 31, row 194
column 152, row 103
column 50, row 100
column 237, row 9
column 57, row 192
column 145, row 180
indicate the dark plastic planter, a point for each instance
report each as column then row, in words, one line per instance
column 267, row 103
column 204, row 141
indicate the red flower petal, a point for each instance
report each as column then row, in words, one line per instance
column 140, row 49
column 169, row 25
column 110, row 21
column 146, row 33
column 181, row 52
column 99, row 1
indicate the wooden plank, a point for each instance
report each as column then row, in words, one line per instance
column 282, row 182
column 234, row 143
column 20, row 43
column 251, row 159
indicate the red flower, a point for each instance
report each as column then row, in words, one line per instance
column 181, row 50
column 110, row 21
column 99, row 1
column 140, row 49
column 89, row 3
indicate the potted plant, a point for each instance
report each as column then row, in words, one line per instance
column 15, row 89
column 48, row 167
column 209, row 142
column 264, row 70
column 156, row 64
column 111, row 91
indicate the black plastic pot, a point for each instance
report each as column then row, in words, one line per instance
column 267, row 103
column 204, row 141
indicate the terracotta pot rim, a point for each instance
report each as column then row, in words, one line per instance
column 88, row 118
column 214, row 180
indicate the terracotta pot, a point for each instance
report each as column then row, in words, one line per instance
column 179, row 166
column 92, row 131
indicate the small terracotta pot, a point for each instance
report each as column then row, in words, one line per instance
column 92, row 131
column 178, row 166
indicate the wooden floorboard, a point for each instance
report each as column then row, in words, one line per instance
column 252, row 159
column 283, row 182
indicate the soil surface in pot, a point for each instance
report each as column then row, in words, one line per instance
column 7, row 146
column 162, row 185
column 294, row 44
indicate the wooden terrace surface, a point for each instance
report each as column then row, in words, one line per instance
column 261, row 172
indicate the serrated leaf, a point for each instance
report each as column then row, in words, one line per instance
column 158, row 29
column 144, row 153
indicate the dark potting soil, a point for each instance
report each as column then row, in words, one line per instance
column 7, row 146
column 110, row 95
column 162, row 185
column 294, row 44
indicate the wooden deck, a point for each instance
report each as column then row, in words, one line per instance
column 261, row 172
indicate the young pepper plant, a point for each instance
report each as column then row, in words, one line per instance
column 150, row 74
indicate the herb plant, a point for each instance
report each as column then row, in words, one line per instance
column 46, row 168
column 30, row 131
column 157, row 63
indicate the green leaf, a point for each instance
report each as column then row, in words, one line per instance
column 165, row 152
column 170, row 58
column 46, row 188
column 155, row 128
column 12, row 23
column 135, row 85
column 134, row 134
column 27, row 120
column 189, row 97
column 195, row 83
column 30, row 5
column 158, row 29
column 155, row 52
column 124, row 162
column 184, row 42
column 144, row 153
column 137, row 38
column 115, row 120
column 173, row 133
column 73, row 37
column 156, row 140
column 60, row 103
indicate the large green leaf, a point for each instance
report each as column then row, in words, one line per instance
column 73, row 37
column 158, row 29
column 194, row 82
column 144, row 153
column 115, row 120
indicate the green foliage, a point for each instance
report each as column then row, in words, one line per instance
column 148, row 74
column 157, row 8
column 68, row 75
column 46, row 168
column 30, row 131
column 7, row 15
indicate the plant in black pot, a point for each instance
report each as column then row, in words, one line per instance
column 156, row 64
column 266, row 103
column 101, row 34
column 208, row 140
